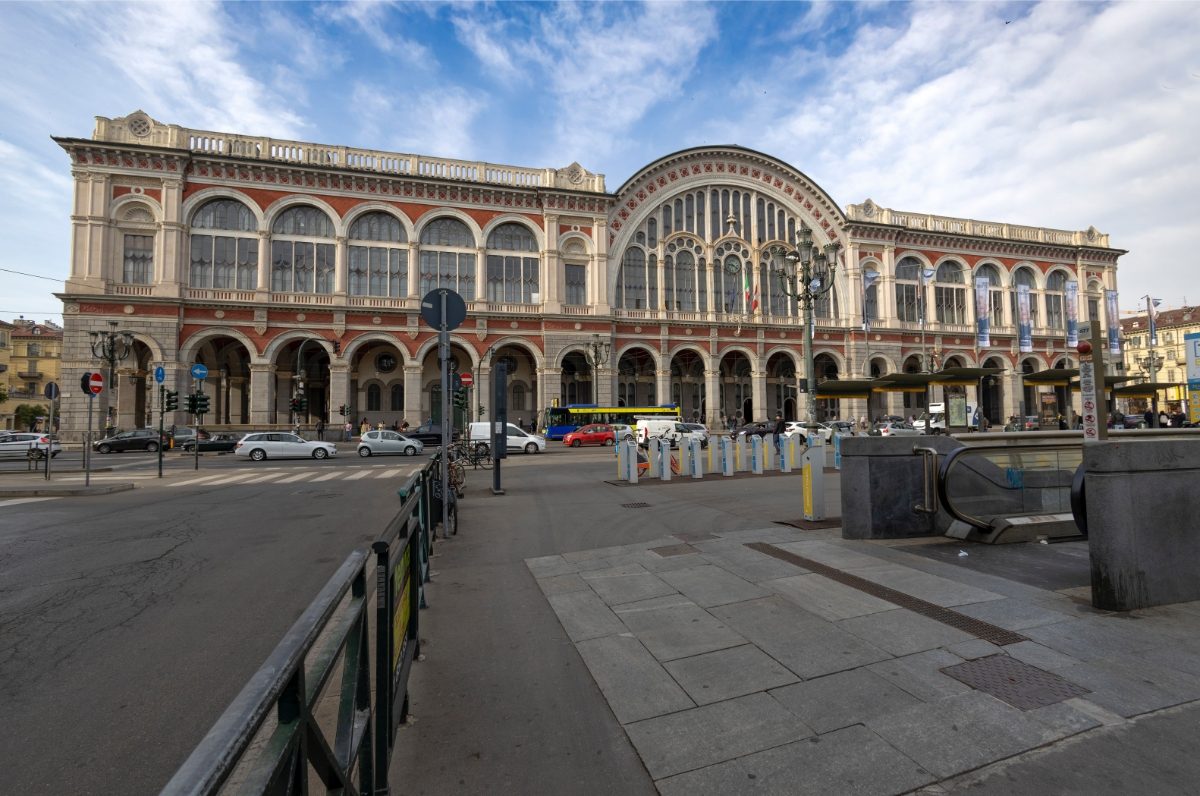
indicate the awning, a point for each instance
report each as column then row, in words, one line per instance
column 1109, row 381
column 964, row 376
column 903, row 382
column 1147, row 389
column 848, row 388
column 1054, row 377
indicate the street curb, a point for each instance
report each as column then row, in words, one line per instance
column 71, row 491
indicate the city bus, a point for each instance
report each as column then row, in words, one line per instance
column 558, row 421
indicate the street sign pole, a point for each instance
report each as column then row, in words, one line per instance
column 159, row 376
column 196, row 447
column 444, row 355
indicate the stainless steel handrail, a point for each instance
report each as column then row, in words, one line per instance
column 929, row 475
column 953, row 457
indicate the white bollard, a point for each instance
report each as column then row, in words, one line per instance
column 631, row 468
column 787, row 453
column 726, row 456
column 697, row 460
column 664, row 462
column 813, row 487
column 652, row 456
column 622, row 464
column 740, row 458
column 756, row 455
column 769, row 454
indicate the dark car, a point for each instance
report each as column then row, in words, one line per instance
column 753, row 429
column 211, row 443
column 140, row 439
column 429, row 434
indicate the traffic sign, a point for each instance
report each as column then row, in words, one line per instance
column 199, row 372
column 431, row 308
column 467, row 379
column 52, row 391
column 160, row 374
column 95, row 383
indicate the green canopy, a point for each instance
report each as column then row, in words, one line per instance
column 1054, row 377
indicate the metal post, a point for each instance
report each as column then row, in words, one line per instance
column 809, row 361
column 87, row 443
column 444, row 354
column 162, row 402
column 50, row 439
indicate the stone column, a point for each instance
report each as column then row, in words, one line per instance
column 550, row 385
column 171, row 275
column 887, row 289
column 758, row 394
column 341, row 264
column 482, row 391
column 604, row 385
column 262, row 392
column 413, row 395
column 662, row 386
column 414, row 275
column 264, row 263
column 599, row 296
column 339, row 390
column 712, row 398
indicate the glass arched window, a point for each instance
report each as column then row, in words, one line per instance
column 397, row 403
column 302, row 251
column 374, row 394
column 512, row 264
column 826, row 304
column 871, row 300
column 680, row 275
column 908, row 290
column 776, row 301
column 448, row 257
column 518, row 397
column 225, row 255
column 1056, row 284
column 950, row 293
column 995, row 293
column 378, row 256
column 637, row 286
column 1024, row 276
column 1095, row 291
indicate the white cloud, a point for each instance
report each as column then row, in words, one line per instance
column 435, row 122
column 375, row 21
column 486, row 41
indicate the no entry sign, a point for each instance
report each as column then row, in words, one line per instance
column 95, row 383
column 467, row 379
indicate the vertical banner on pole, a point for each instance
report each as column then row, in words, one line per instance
column 983, row 314
column 1072, row 312
column 1113, row 320
column 1024, row 321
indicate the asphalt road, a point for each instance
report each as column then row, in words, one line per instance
column 129, row 621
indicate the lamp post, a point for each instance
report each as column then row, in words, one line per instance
column 806, row 277
column 1152, row 364
column 112, row 347
column 597, row 353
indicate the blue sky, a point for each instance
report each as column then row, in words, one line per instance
column 1054, row 114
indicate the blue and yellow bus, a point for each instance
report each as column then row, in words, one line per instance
column 558, row 421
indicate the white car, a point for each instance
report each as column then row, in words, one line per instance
column 518, row 439
column 15, row 444
column 623, row 432
column 281, row 445
column 374, row 443
column 697, row 431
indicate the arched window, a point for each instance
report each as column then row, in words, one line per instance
column 1024, row 276
column 950, row 293
column 826, row 304
column 448, row 257
column 1056, row 284
column 227, row 257
column 397, row 398
column 680, row 276
column 631, row 284
column 1094, row 292
column 378, row 256
column 301, row 251
column 995, row 294
column 908, row 290
column 373, row 397
column 512, row 265
column 518, row 398
column 871, row 299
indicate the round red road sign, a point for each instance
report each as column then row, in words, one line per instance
column 96, row 383
column 467, row 379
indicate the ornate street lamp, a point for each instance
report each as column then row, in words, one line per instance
column 112, row 347
column 597, row 354
column 806, row 274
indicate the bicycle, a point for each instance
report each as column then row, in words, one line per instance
column 479, row 454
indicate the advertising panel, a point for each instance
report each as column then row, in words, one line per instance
column 1024, row 322
column 983, row 336
column 1114, row 323
column 1192, row 346
column 1072, row 299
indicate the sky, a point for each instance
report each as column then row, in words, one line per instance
column 1058, row 114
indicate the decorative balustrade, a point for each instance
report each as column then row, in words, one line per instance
column 872, row 213
column 205, row 294
column 576, row 309
column 133, row 290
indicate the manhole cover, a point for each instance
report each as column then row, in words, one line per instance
column 635, row 505
column 1017, row 683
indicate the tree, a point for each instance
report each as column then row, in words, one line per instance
column 3, row 393
column 26, row 415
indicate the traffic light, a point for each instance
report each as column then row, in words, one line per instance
column 294, row 404
column 170, row 401
column 201, row 404
column 301, row 404
column 460, row 399
column 190, row 401
column 342, row 410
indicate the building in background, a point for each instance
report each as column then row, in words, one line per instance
column 1166, row 362
column 30, row 358
column 6, row 406
column 289, row 267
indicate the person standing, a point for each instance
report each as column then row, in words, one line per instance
column 365, row 427
column 320, row 429
column 780, row 427
column 349, row 431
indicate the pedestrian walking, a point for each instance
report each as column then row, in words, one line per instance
column 365, row 427
column 349, row 431
column 780, row 427
column 984, row 423
column 321, row 430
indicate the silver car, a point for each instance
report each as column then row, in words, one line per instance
column 281, row 445
column 21, row 444
column 383, row 442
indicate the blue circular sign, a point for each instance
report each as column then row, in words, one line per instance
column 199, row 372
column 52, row 391
column 160, row 374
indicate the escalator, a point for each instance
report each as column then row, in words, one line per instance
column 1003, row 493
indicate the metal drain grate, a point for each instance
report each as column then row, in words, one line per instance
column 1016, row 682
column 635, row 505
column 967, row 624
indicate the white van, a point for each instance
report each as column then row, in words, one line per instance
column 934, row 420
column 518, row 440
column 672, row 431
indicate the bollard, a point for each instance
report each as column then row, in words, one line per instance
column 769, row 452
column 756, row 455
column 837, row 451
column 713, row 444
column 813, row 487
column 726, row 456
column 739, row 454
column 664, row 462
column 697, row 462
column 652, row 454
column 631, row 463
column 786, row 453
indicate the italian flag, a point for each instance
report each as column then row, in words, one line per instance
column 752, row 303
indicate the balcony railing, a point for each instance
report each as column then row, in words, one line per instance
column 30, row 374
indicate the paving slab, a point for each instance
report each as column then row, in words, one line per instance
column 1012, row 614
column 1063, row 719
column 827, row 598
column 710, row 585
column 634, row 684
column 626, row 584
column 1132, row 689
column 728, row 673
column 902, row 632
column 833, row 555
column 584, row 615
column 1039, row 655
column 549, row 566
column 931, row 588
column 747, row 564
column 803, row 642
column 920, row 675
column 850, row 761
column 561, row 584
column 714, row 733
column 975, row 648
column 675, row 627
column 1095, row 637
column 842, row 699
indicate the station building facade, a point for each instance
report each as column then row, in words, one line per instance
column 279, row 264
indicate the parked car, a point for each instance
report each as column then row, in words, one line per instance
column 182, row 435
column 666, row 430
column 752, row 429
column 384, row 442
column 14, row 444
column 430, row 434
column 280, row 445
column 1031, row 423
column 892, row 429
column 210, row 443
column 699, row 431
column 593, row 434
column 140, row 439
column 518, row 438
column 623, row 432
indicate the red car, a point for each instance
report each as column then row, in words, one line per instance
column 595, row 434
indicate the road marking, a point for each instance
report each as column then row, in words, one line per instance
column 231, row 479
column 293, row 478
column 261, row 478
column 327, row 476
column 358, row 475
column 18, row 501
column 200, row 480
column 389, row 473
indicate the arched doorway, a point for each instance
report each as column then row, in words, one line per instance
column 991, row 392
column 637, row 379
column 781, row 387
column 135, row 402
column 301, row 372
column 877, row 401
column 688, row 390
column 736, row 401
column 1029, row 393
column 228, row 381
column 431, row 383
column 578, row 381
column 826, row 368
column 377, row 389
column 522, row 378
column 914, row 400
column 948, row 390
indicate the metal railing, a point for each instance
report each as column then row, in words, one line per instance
column 272, row 738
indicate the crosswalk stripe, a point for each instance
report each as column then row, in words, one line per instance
column 196, row 480
column 18, row 501
column 327, row 476
column 232, row 479
column 293, row 478
column 261, row 478
column 358, row 475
